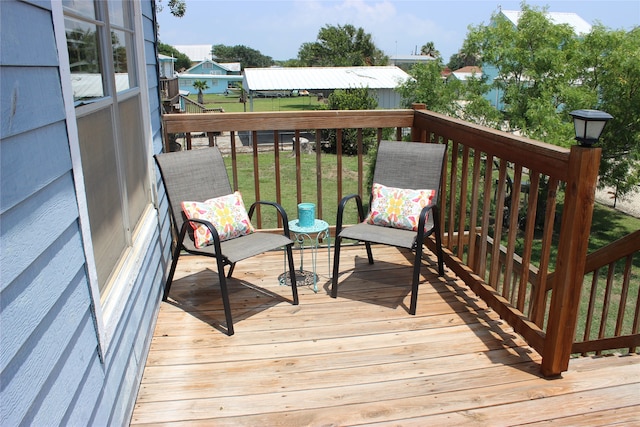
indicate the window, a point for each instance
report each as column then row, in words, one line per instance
column 113, row 151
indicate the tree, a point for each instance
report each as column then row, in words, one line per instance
column 351, row 99
column 245, row 55
column 610, row 64
column 532, row 73
column 200, row 85
column 427, row 86
column 341, row 46
column 464, row 58
column 464, row 100
column 177, row 7
column 544, row 71
column 182, row 61
column 429, row 49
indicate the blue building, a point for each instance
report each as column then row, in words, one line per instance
column 84, row 231
column 217, row 76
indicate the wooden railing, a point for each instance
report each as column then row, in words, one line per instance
column 191, row 106
column 169, row 88
column 608, row 296
column 516, row 212
column 518, row 216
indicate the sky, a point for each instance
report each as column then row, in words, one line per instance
column 277, row 28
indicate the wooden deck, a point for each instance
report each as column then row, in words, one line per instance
column 360, row 359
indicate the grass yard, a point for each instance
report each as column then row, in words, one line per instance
column 609, row 225
column 288, row 187
column 231, row 103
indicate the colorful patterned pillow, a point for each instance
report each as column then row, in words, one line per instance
column 227, row 214
column 397, row 207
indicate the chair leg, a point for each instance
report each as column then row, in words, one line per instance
column 225, row 297
column 436, row 229
column 369, row 253
column 292, row 272
column 231, row 268
column 336, row 269
column 172, row 271
column 417, row 263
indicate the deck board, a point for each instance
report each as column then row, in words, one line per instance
column 360, row 359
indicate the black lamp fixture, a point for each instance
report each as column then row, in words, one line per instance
column 589, row 125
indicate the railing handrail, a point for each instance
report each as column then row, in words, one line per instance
column 606, row 255
column 614, row 251
column 277, row 120
column 546, row 158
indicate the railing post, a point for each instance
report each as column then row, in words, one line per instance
column 572, row 251
column 416, row 134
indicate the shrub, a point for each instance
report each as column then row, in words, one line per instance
column 350, row 99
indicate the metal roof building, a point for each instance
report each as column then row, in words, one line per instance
column 579, row 25
column 382, row 81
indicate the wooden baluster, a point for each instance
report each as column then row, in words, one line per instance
column 256, row 176
column 622, row 304
column 234, row 160
column 473, row 219
column 361, row 163
column 539, row 299
column 481, row 261
column 297, row 151
column 514, row 209
column 463, row 201
column 494, row 270
column 339, row 161
column 319, row 171
column 453, row 184
column 532, row 209
column 276, row 162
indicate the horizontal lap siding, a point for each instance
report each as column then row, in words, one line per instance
column 48, row 338
column 131, row 344
column 50, row 369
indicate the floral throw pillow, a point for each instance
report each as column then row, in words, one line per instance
column 227, row 214
column 397, row 207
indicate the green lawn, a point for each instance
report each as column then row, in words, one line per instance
column 288, row 186
column 231, row 103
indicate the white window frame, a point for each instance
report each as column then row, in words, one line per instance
column 109, row 312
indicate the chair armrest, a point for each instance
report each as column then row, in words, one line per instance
column 212, row 229
column 422, row 219
column 341, row 207
column 281, row 212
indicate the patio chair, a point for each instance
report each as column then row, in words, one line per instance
column 200, row 175
column 395, row 216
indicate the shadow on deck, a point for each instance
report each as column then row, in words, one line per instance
column 360, row 358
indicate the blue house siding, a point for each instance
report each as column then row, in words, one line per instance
column 53, row 370
column 217, row 84
column 217, row 77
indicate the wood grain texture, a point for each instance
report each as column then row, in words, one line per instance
column 360, row 358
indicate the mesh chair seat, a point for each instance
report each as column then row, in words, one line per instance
column 241, row 248
column 376, row 234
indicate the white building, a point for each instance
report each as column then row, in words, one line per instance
column 381, row 81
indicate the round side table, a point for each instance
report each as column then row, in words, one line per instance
column 319, row 231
